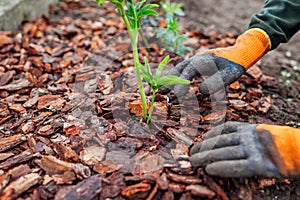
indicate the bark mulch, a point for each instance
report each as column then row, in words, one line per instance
column 70, row 128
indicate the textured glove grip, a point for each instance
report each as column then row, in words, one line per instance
column 248, row 49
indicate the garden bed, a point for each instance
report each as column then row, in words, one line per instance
column 70, row 125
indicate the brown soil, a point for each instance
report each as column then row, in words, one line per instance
column 67, row 77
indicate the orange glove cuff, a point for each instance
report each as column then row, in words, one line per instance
column 287, row 144
column 248, row 49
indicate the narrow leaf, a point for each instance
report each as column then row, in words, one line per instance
column 161, row 66
column 138, row 5
column 146, row 76
column 147, row 66
column 100, row 2
column 147, row 10
column 171, row 80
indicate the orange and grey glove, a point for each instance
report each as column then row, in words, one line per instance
column 243, row 150
column 223, row 65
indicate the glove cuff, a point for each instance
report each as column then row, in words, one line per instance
column 248, row 49
column 287, row 148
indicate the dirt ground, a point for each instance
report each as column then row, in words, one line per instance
column 233, row 16
column 69, row 109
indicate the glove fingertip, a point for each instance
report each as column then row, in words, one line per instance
column 212, row 170
column 204, row 88
column 195, row 148
column 180, row 90
column 164, row 90
column 195, row 161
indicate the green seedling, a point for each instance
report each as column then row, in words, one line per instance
column 172, row 8
column 172, row 38
column 132, row 13
column 157, row 81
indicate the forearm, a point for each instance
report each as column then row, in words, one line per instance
column 280, row 19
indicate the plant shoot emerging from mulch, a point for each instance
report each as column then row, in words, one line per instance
column 132, row 12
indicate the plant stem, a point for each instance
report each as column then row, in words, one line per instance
column 133, row 34
column 138, row 75
column 151, row 107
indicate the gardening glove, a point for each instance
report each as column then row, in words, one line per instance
column 223, row 65
column 243, row 150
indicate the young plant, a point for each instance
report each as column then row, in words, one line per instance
column 132, row 12
column 132, row 15
column 172, row 8
column 156, row 81
column 172, row 38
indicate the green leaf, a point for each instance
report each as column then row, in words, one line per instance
column 146, row 76
column 147, row 10
column 172, row 8
column 138, row 5
column 171, row 80
column 100, row 2
column 147, row 66
column 161, row 66
column 130, row 10
column 172, row 24
column 117, row 2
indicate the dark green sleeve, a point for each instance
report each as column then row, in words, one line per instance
column 279, row 18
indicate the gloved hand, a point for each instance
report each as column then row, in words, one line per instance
column 242, row 150
column 224, row 65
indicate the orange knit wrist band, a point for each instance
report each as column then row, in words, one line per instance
column 248, row 49
column 287, row 143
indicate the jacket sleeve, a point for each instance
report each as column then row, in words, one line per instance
column 280, row 19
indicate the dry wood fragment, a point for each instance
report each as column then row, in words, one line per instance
column 53, row 166
column 255, row 72
column 163, row 182
column 18, row 159
column 53, row 102
column 65, row 152
column 5, row 40
column 183, row 178
column 215, row 187
column 168, row 195
column 10, row 142
column 141, row 178
column 153, row 193
column 86, row 189
column 5, row 77
column 21, row 185
column 177, row 187
column 134, row 189
column 17, row 107
column 200, row 191
column 28, row 127
column 178, row 136
column 4, row 111
column 214, row 117
column 30, row 102
column 107, row 166
column 4, row 156
column 16, row 85
column 4, row 181
column 92, row 154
